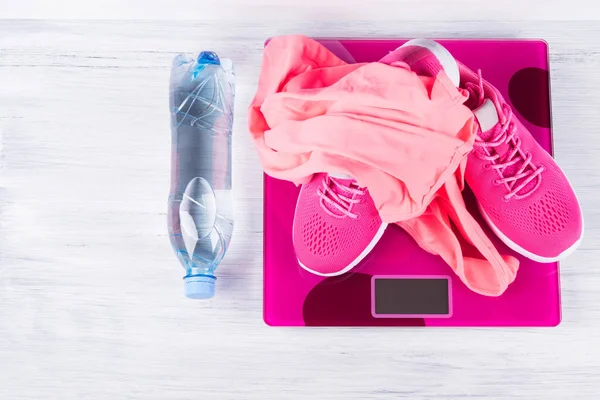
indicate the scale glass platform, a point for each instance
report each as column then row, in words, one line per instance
column 399, row 284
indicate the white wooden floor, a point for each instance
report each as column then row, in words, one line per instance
column 91, row 303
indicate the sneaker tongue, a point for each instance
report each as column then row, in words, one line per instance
column 487, row 117
column 344, row 182
column 341, row 176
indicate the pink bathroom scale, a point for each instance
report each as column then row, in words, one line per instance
column 399, row 284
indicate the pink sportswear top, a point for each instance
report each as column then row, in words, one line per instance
column 404, row 137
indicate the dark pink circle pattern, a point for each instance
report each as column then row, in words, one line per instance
column 528, row 89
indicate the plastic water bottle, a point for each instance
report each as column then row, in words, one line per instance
column 200, row 214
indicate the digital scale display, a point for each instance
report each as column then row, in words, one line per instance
column 407, row 296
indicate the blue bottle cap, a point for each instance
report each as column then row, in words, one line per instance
column 208, row 57
column 199, row 286
column 205, row 58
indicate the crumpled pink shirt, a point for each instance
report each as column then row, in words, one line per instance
column 404, row 137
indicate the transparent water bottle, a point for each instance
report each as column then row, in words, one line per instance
column 200, row 214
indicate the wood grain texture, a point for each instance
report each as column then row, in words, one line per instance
column 272, row 11
column 91, row 303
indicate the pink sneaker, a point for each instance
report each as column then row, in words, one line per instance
column 336, row 225
column 522, row 193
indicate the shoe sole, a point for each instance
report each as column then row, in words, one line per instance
column 442, row 54
column 535, row 257
column 358, row 259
